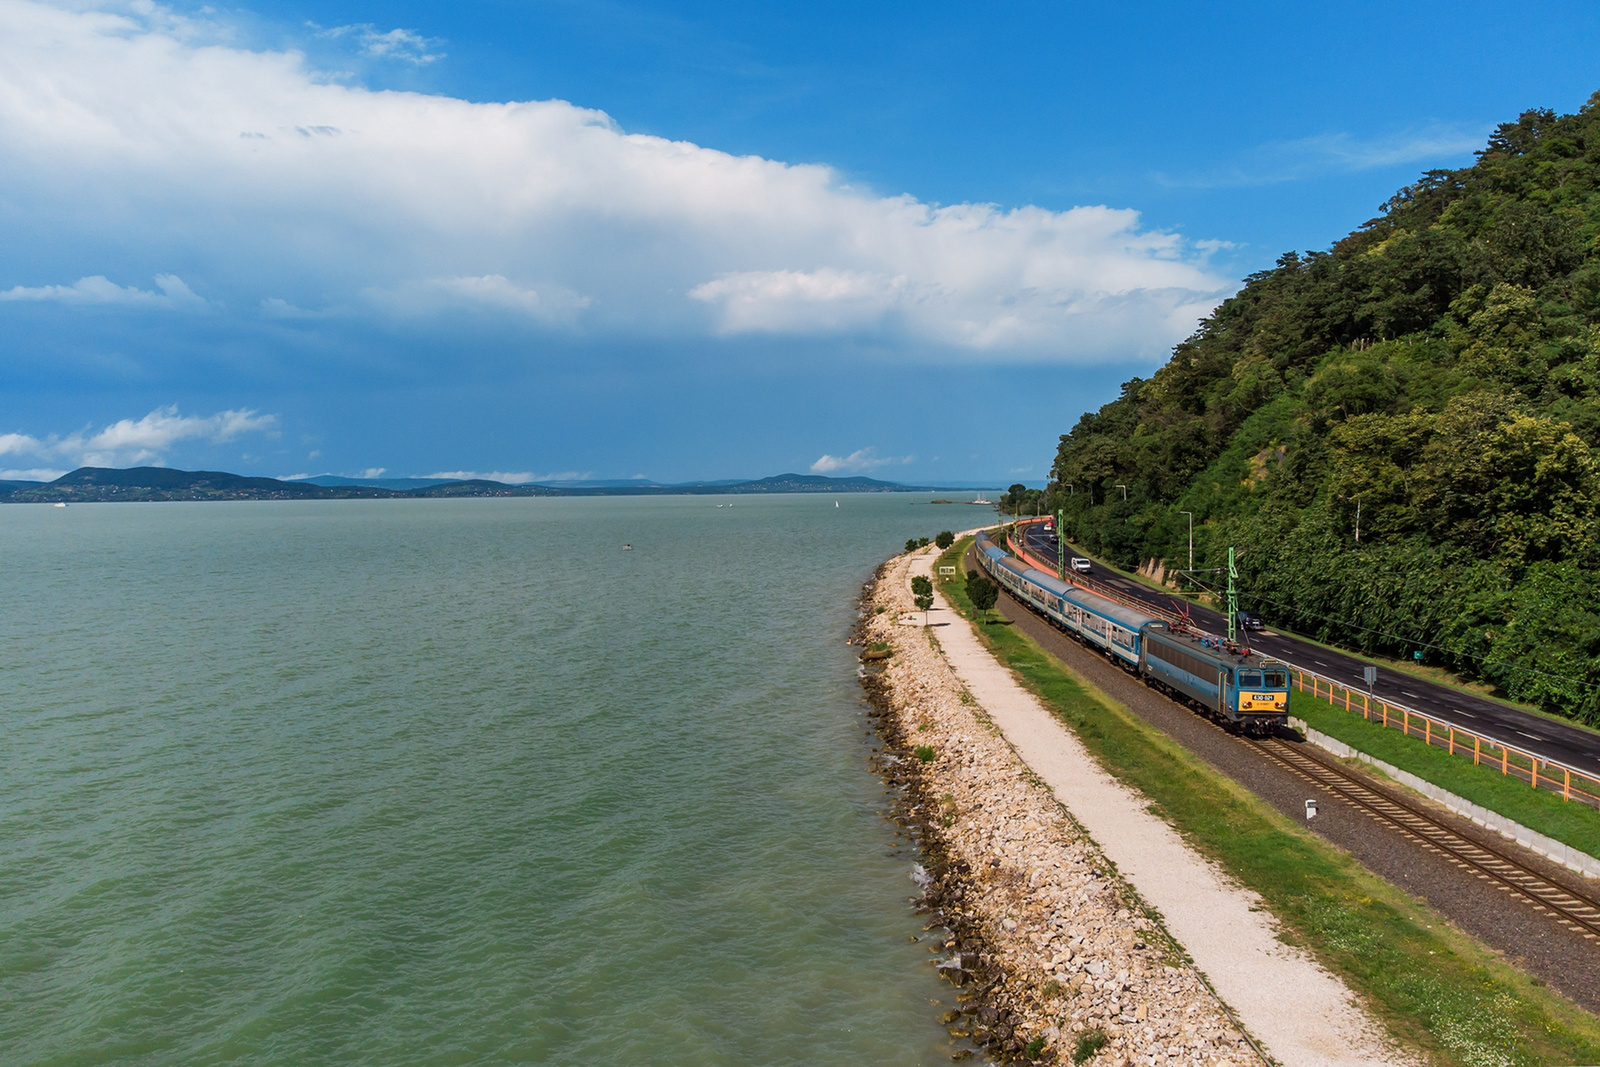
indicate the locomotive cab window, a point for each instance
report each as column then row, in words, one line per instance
column 1249, row 679
column 1277, row 680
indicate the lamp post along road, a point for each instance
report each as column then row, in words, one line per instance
column 1191, row 539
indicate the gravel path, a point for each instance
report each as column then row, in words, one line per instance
column 1529, row 938
column 1220, row 924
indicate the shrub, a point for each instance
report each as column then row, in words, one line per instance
column 1090, row 1042
column 1034, row 1048
column 945, row 539
column 925, row 753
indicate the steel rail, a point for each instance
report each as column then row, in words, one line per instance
column 1576, row 912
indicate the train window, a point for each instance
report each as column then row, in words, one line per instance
column 1277, row 680
column 1249, row 679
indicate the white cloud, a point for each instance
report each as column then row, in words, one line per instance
column 509, row 477
column 97, row 289
column 373, row 472
column 32, row 474
column 862, row 459
column 491, row 292
column 515, row 477
column 1308, row 157
column 404, row 45
column 290, row 190
column 137, row 441
column 18, row 442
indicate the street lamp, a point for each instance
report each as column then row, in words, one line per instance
column 1124, row 491
column 1191, row 538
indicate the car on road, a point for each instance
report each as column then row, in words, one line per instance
column 1080, row 564
column 1250, row 621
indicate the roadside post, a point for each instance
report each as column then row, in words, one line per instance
column 1233, row 600
column 1311, row 810
column 1370, row 676
column 1061, row 544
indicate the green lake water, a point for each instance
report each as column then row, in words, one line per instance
column 454, row 781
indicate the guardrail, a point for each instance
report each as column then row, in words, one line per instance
column 1514, row 762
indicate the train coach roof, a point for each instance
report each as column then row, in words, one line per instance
column 1131, row 618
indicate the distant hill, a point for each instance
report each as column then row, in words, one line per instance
column 376, row 483
column 105, row 484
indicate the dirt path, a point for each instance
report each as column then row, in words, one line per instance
column 1303, row 1015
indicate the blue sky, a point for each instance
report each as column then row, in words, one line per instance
column 681, row 240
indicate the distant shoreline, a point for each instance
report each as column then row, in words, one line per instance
column 101, row 485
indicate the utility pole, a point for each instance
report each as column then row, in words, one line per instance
column 1061, row 544
column 1358, row 520
column 1233, row 599
column 1191, row 539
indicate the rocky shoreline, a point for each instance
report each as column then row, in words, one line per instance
column 1057, row 958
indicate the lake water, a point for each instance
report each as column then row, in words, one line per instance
column 455, row 781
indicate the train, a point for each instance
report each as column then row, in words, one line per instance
column 1245, row 692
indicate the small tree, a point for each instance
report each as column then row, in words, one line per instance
column 982, row 592
column 921, row 586
column 944, row 540
column 924, row 602
column 922, row 542
column 911, row 544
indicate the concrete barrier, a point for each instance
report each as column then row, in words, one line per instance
column 1548, row 847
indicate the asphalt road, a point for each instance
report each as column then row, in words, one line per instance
column 1543, row 737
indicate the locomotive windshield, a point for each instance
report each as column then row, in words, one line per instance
column 1277, row 680
column 1249, row 679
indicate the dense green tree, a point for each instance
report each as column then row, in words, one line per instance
column 1432, row 379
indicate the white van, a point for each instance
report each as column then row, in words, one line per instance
column 1080, row 564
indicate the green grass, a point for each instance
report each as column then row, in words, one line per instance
column 1432, row 985
column 1569, row 822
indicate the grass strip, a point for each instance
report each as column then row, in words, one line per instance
column 1571, row 823
column 1435, row 987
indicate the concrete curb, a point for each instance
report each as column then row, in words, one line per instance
column 1569, row 857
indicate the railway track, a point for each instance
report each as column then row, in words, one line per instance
column 1580, row 914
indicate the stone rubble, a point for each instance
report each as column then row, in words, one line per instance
column 1047, row 940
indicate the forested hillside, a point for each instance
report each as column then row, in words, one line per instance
column 1399, row 434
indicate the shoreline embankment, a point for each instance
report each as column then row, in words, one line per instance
column 1060, row 954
